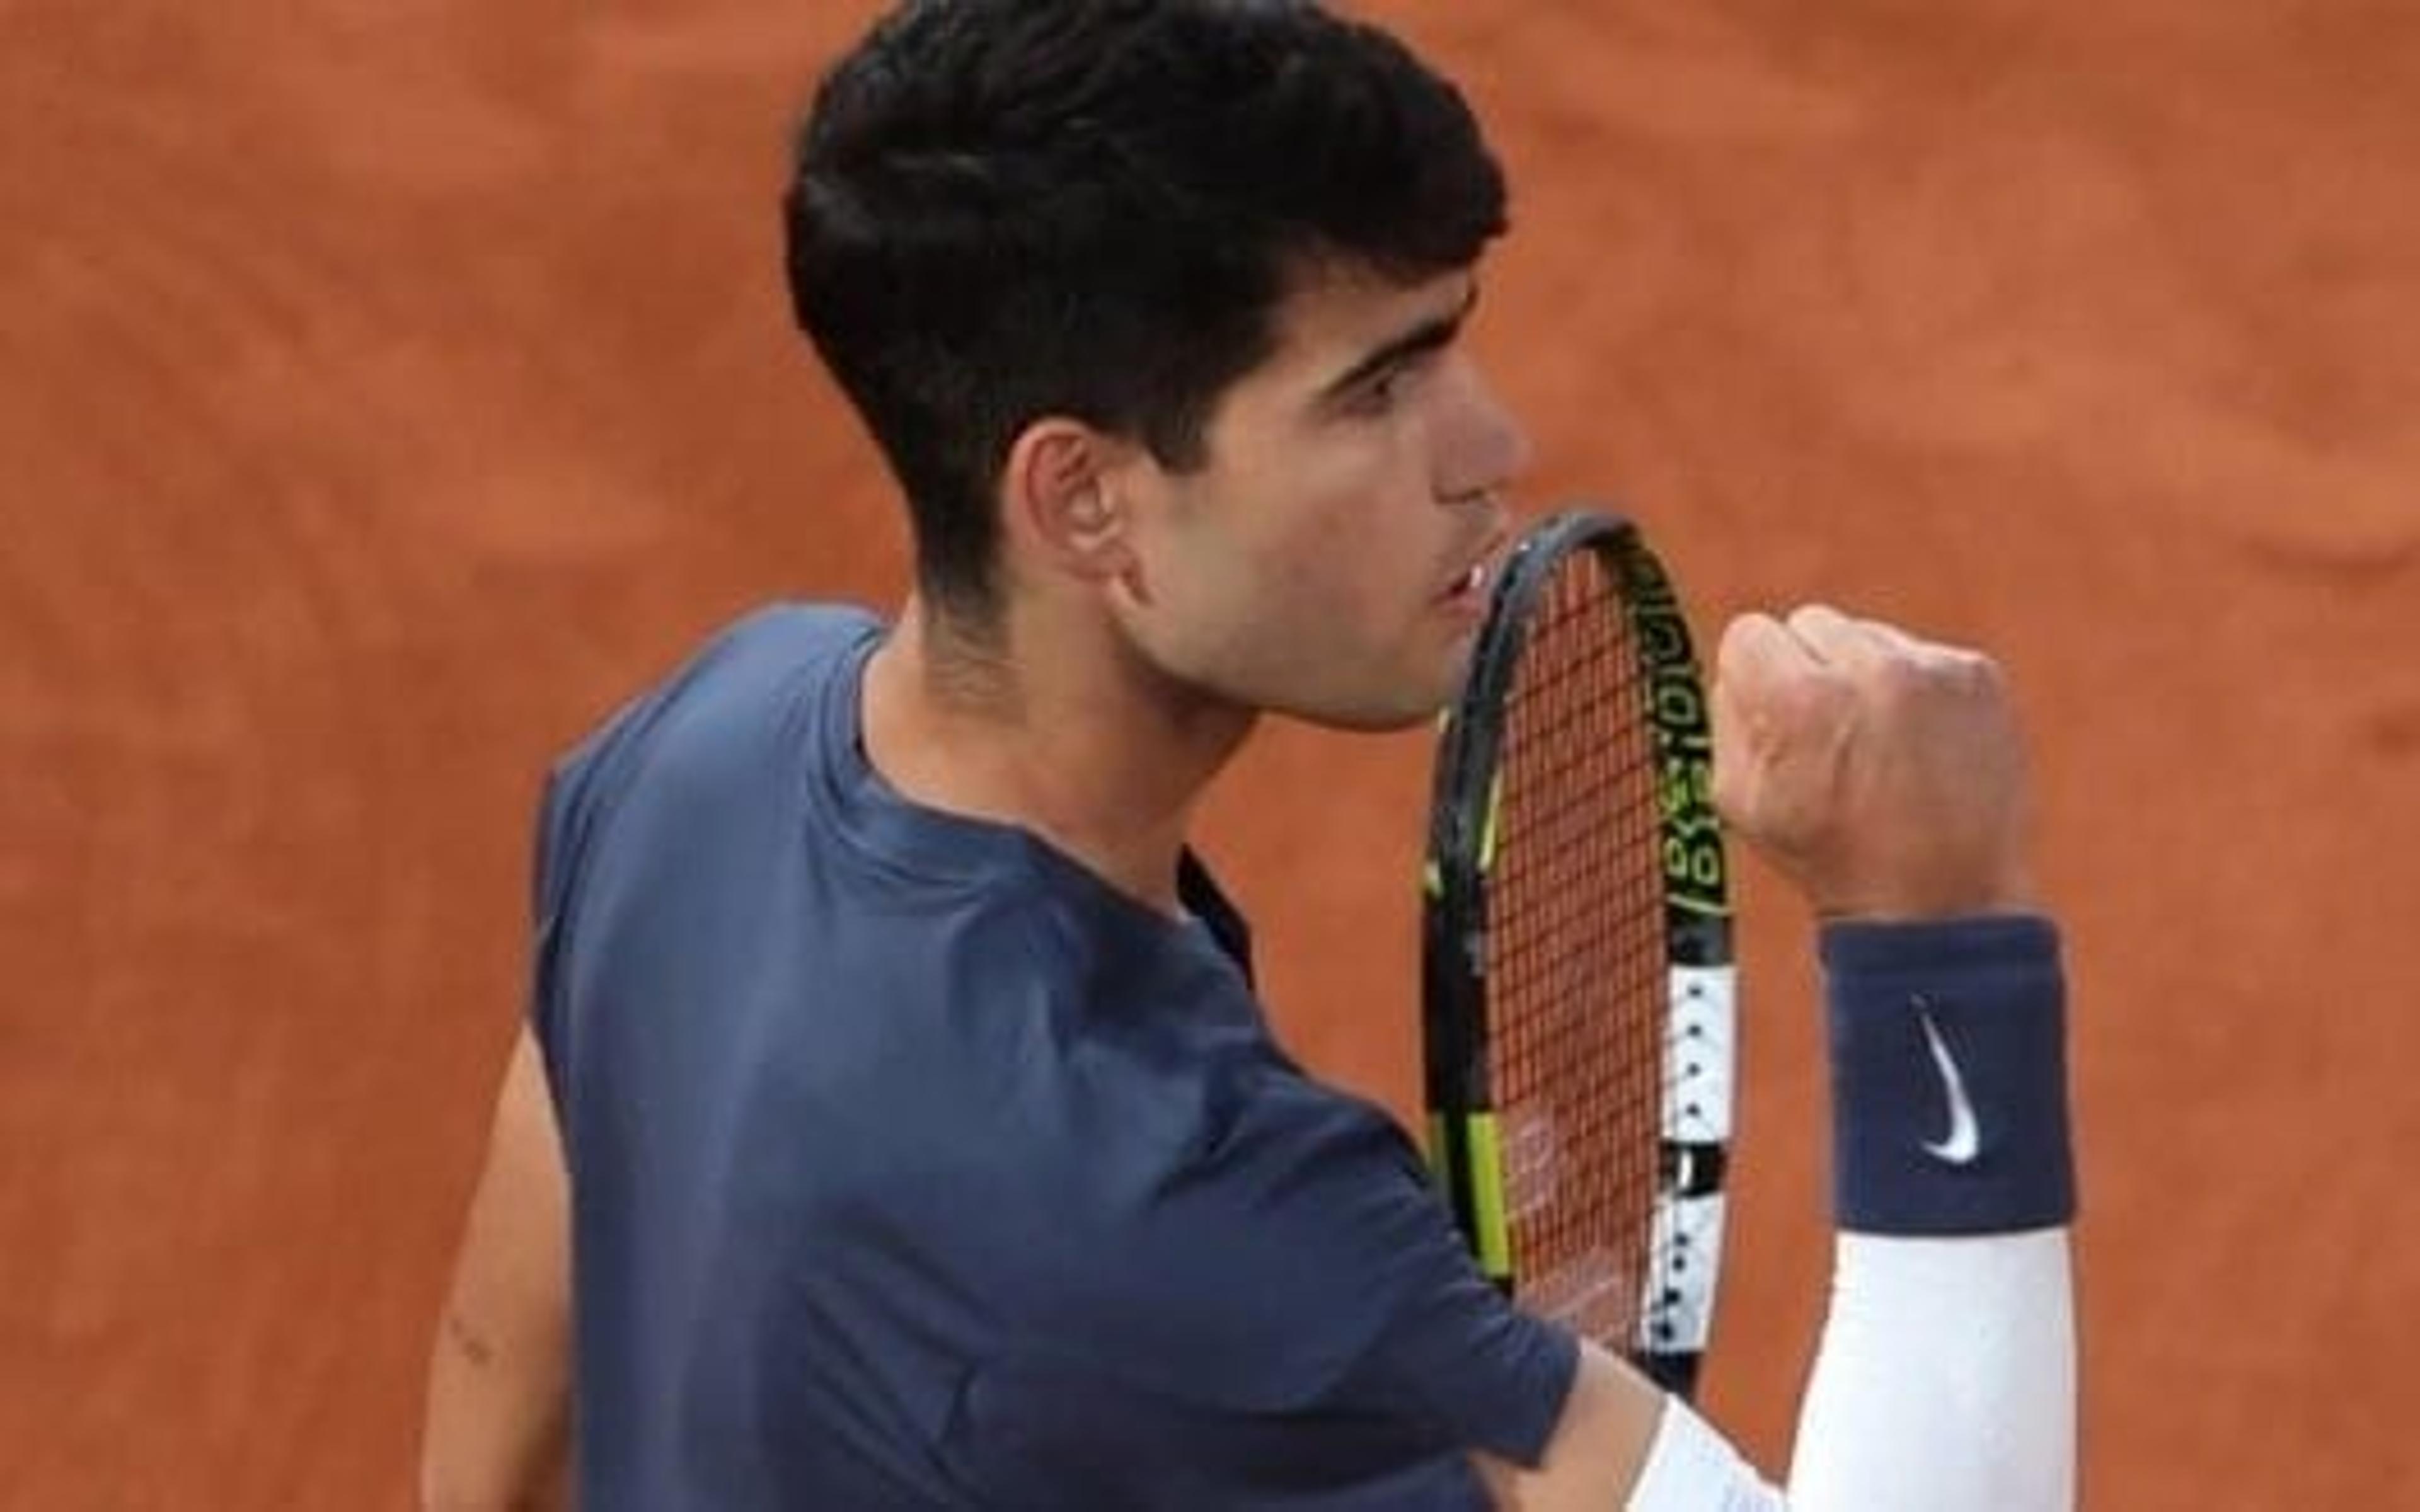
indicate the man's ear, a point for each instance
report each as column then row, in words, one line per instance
column 1062, row 501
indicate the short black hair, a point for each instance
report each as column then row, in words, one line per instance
column 1004, row 209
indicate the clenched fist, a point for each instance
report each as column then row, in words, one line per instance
column 1884, row 774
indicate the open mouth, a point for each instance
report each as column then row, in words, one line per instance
column 1471, row 588
column 1469, row 591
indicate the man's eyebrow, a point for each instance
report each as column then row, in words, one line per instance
column 1435, row 334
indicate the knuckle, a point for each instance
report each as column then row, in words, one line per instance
column 1812, row 695
column 1975, row 680
column 1899, row 678
column 1983, row 671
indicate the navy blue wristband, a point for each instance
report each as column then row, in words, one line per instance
column 1948, row 1076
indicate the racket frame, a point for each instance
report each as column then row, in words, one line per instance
column 1676, row 1301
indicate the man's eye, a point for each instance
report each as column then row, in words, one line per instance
column 1384, row 390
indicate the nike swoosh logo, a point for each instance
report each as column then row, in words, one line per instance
column 1965, row 1138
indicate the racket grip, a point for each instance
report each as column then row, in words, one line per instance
column 1949, row 1102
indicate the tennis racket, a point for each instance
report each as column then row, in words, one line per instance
column 1576, row 954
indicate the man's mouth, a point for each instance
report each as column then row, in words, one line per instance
column 1469, row 588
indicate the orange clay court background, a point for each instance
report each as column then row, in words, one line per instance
column 389, row 388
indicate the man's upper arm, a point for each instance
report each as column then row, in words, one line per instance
column 1355, row 1279
column 1599, row 1445
column 499, row 1384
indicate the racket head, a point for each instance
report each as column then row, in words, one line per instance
column 1578, row 998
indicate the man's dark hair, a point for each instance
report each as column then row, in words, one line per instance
column 1004, row 209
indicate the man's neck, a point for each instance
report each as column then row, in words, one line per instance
column 1065, row 734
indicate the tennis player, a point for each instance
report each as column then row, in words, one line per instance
column 897, row 1125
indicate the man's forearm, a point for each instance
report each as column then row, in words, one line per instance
column 1946, row 1379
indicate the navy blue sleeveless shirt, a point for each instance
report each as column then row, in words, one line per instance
column 912, row 1166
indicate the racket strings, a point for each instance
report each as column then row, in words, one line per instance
column 1577, row 961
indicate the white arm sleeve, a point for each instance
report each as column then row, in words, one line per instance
column 1944, row 1381
column 1945, row 1378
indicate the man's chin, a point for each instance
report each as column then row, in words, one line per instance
column 1377, row 716
column 1390, row 723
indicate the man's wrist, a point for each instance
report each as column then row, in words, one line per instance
column 1948, row 1075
